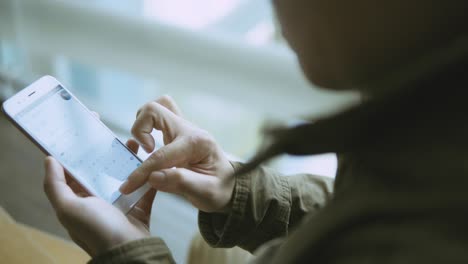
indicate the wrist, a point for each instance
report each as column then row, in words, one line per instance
column 118, row 239
column 227, row 208
column 229, row 190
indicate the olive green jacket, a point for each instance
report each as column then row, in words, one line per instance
column 400, row 194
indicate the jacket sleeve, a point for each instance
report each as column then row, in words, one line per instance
column 265, row 205
column 149, row 250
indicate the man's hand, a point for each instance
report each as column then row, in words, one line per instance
column 202, row 172
column 95, row 225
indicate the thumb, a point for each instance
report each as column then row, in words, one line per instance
column 201, row 190
column 55, row 185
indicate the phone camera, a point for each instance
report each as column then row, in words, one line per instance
column 65, row 95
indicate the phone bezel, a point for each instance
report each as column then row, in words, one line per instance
column 35, row 91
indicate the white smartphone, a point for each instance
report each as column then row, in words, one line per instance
column 61, row 126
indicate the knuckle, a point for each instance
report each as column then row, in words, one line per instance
column 148, row 108
column 201, row 139
column 165, row 99
column 158, row 156
column 202, row 143
column 178, row 180
column 152, row 107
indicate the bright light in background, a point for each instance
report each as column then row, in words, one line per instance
column 188, row 13
column 262, row 33
column 251, row 20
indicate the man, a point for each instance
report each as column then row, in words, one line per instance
column 399, row 195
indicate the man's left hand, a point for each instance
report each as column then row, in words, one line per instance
column 94, row 224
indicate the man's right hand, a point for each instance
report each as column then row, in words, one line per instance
column 202, row 172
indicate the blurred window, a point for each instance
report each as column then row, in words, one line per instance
column 249, row 20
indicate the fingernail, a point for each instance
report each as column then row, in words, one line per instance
column 158, row 175
column 158, row 178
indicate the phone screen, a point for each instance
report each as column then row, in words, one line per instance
column 79, row 141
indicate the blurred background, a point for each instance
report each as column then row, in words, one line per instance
column 223, row 61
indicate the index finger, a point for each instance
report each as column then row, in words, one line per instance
column 55, row 185
column 155, row 116
column 173, row 154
